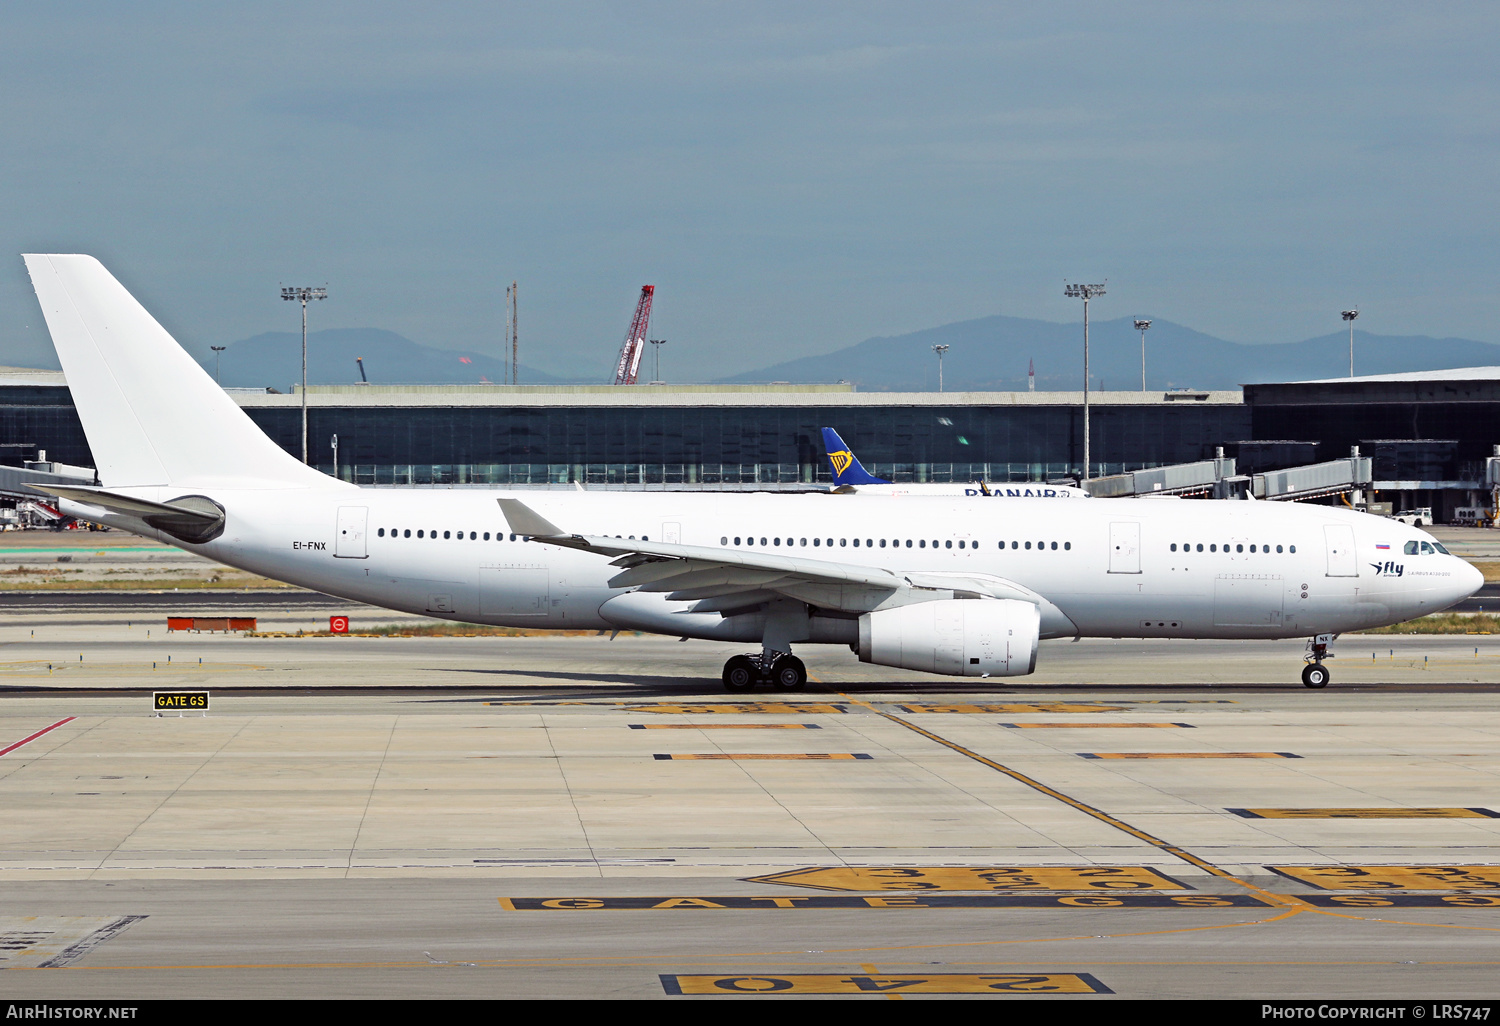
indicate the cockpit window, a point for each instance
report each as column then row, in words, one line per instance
column 1439, row 547
column 1426, row 549
column 1410, row 549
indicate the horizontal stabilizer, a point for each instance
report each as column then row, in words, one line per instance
column 192, row 518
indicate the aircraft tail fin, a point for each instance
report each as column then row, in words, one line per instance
column 846, row 467
column 151, row 414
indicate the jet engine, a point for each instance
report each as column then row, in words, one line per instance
column 959, row 637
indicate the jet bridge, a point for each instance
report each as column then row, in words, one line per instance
column 1216, row 478
column 13, row 480
column 1336, row 477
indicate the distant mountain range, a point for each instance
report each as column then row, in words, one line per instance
column 992, row 353
column 988, row 354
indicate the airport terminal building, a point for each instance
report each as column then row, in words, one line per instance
column 1429, row 434
column 685, row 434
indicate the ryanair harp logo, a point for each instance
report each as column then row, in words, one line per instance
column 841, row 461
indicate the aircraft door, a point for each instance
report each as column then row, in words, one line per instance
column 1340, row 542
column 349, row 540
column 1125, row 548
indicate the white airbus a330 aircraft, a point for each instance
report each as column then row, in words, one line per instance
column 940, row 585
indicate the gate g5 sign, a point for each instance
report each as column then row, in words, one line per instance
column 179, row 701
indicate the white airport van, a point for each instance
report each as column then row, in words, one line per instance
column 1419, row 517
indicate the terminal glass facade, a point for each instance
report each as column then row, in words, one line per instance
column 706, row 445
column 742, row 445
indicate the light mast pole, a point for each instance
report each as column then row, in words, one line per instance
column 1141, row 326
column 1085, row 293
column 302, row 295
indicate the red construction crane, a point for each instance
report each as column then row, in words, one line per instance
column 635, row 339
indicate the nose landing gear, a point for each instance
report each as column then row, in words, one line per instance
column 781, row 670
column 1315, row 674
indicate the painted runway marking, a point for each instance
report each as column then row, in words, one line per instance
column 723, row 726
column 1189, row 755
column 889, row 984
column 1358, row 813
column 974, row 878
column 778, row 708
column 33, row 737
column 1014, row 707
column 1280, row 900
column 1093, row 726
column 1106, row 705
column 1403, row 900
column 1431, row 878
column 741, row 902
column 764, row 755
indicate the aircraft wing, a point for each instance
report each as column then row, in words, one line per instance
column 723, row 578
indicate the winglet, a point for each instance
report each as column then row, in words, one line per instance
column 524, row 520
column 846, row 468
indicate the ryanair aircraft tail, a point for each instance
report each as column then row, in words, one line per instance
column 846, row 468
column 151, row 414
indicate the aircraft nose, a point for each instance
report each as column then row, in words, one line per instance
column 1469, row 580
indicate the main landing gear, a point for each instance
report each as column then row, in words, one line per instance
column 781, row 670
column 1315, row 674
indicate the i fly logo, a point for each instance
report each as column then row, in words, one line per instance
column 1389, row 568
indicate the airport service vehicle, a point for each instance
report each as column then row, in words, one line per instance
column 1420, row 517
column 931, row 583
column 850, row 477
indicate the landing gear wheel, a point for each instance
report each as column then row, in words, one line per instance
column 1315, row 675
column 788, row 674
column 740, row 674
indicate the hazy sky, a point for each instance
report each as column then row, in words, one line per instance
column 792, row 177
